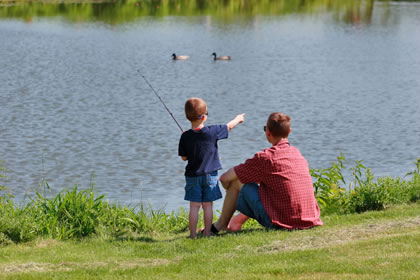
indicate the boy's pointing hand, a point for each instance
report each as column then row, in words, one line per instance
column 237, row 120
column 241, row 117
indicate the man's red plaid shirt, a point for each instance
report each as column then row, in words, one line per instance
column 286, row 189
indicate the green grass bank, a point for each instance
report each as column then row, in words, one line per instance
column 372, row 245
column 79, row 214
column 371, row 231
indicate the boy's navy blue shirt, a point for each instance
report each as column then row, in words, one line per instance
column 200, row 148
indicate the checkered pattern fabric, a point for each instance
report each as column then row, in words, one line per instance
column 286, row 189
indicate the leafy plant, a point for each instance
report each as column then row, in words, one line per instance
column 414, row 184
column 328, row 192
column 363, row 193
column 16, row 224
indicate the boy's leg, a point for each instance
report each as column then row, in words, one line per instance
column 229, row 205
column 208, row 217
column 193, row 218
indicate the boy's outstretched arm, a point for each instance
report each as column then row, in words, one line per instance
column 237, row 120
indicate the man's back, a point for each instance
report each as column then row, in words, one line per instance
column 286, row 189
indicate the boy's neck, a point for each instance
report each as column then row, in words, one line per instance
column 198, row 124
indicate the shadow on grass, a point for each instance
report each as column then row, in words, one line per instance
column 260, row 229
column 145, row 239
column 148, row 239
column 136, row 239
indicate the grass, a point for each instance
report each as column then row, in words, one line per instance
column 80, row 235
column 79, row 214
column 372, row 245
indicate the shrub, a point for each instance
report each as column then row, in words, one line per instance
column 16, row 224
column 367, row 197
column 363, row 193
column 414, row 184
column 4, row 240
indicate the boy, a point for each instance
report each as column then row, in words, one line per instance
column 199, row 146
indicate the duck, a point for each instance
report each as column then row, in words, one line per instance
column 180, row 57
column 225, row 57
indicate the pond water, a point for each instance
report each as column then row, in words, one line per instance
column 73, row 104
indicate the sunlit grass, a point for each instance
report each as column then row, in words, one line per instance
column 79, row 234
column 372, row 245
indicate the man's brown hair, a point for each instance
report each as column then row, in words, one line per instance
column 279, row 124
column 194, row 108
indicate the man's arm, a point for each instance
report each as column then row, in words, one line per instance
column 237, row 120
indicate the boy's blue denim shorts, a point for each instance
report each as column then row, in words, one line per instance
column 249, row 203
column 204, row 188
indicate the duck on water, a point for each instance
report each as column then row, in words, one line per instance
column 180, row 57
column 224, row 57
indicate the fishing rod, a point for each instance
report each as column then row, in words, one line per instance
column 166, row 107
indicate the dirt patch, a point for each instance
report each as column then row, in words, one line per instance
column 68, row 266
column 334, row 237
column 332, row 276
column 46, row 243
column 144, row 263
column 31, row 267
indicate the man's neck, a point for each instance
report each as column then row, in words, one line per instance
column 275, row 141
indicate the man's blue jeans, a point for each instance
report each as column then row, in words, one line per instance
column 249, row 203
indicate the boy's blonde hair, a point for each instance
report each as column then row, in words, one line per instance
column 194, row 108
column 279, row 124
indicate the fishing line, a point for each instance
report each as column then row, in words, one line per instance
column 166, row 107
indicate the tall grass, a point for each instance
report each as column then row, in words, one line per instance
column 363, row 192
column 77, row 214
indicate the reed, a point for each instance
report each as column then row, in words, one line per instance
column 2, row 176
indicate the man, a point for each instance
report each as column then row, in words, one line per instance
column 274, row 187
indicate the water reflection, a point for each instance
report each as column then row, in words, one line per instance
column 119, row 12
